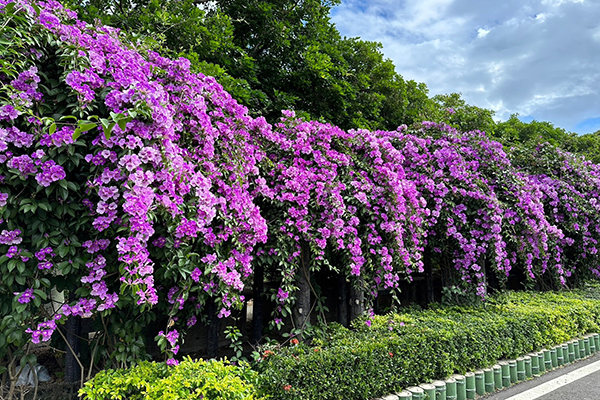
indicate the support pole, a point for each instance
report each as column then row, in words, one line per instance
column 212, row 334
column 72, row 368
column 258, row 302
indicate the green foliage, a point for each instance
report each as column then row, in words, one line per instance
column 514, row 131
column 417, row 346
column 587, row 145
column 274, row 54
column 214, row 380
column 453, row 110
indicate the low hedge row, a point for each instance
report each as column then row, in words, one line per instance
column 386, row 353
column 214, row 380
column 378, row 356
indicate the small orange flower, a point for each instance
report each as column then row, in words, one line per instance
column 287, row 388
column 267, row 354
column 391, row 354
column 294, row 341
column 316, row 350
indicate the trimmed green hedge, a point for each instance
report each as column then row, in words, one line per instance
column 399, row 350
column 200, row 379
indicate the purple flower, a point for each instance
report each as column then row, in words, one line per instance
column 10, row 237
column 172, row 362
column 25, row 297
column 196, row 274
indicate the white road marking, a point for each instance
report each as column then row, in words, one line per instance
column 554, row 384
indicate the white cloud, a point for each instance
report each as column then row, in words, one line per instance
column 534, row 57
column 482, row 32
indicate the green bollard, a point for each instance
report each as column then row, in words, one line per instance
column 440, row 390
column 527, row 367
column 576, row 349
column 554, row 357
column 450, row 389
column 520, row 369
column 587, row 346
column 488, row 379
column 512, row 366
column 571, row 346
column 541, row 363
column 592, row 343
column 404, row 395
column 416, row 392
column 547, row 359
column 479, row 382
column 429, row 390
column 461, row 388
column 497, row 376
column 505, row 373
column 597, row 341
column 535, row 366
column 581, row 349
column 565, row 349
column 470, row 385
column 559, row 356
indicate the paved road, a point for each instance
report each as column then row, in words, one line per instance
column 577, row 381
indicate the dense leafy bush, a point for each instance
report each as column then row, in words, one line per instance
column 417, row 346
column 213, row 380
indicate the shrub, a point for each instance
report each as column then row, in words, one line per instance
column 420, row 345
column 215, row 380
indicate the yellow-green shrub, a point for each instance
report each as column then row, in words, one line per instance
column 214, row 380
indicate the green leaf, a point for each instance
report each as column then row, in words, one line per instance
column 8, row 9
column 40, row 293
column 123, row 123
column 63, row 251
column 52, row 129
column 86, row 126
column 108, row 129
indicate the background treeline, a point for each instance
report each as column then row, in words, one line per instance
column 272, row 55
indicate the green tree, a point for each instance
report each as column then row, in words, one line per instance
column 273, row 55
column 454, row 110
column 515, row 131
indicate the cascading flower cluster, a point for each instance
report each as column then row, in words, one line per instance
column 344, row 192
column 159, row 193
column 568, row 188
column 173, row 179
column 481, row 209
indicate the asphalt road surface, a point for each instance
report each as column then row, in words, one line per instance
column 576, row 381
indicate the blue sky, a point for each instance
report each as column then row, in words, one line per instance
column 537, row 58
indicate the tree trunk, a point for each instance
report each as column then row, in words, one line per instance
column 357, row 299
column 301, row 309
column 342, row 300
column 72, row 368
column 212, row 338
column 257, row 309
